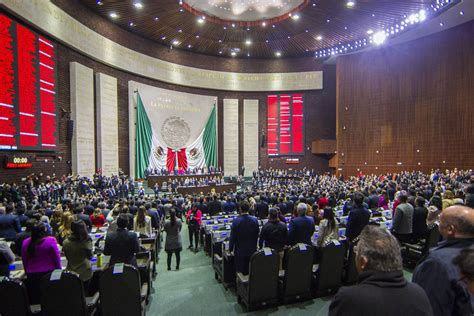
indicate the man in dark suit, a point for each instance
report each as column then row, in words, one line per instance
column 437, row 274
column 301, row 228
column 261, row 208
column 79, row 213
column 358, row 217
column 9, row 224
column 122, row 245
column 382, row 289
column 153, row 213
column 215, row 206
column 243, row 238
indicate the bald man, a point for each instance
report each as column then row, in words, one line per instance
column 437, row 274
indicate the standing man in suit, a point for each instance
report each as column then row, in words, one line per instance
column 122, row 245
column 243, row 238
column 301, row 228
column 358, row 217
column 261, row 207
column 215, row 207
column 9, row 224
column 79, row 213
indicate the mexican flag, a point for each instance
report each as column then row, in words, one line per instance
column 174, row 140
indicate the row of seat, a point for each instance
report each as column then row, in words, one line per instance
column 300, row 279
column 120, row 293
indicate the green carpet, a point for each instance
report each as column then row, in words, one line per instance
column 193, row 291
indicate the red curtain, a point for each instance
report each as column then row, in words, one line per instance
column 170, row 160
column 182, row 160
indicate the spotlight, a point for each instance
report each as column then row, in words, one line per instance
column 379, row 38
column 138, row 5
column 113, row 15
column 277, row 54
column 248, row 42
column 350, row 4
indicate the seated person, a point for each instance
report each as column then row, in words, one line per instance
column 382, row 289
column 122, row 245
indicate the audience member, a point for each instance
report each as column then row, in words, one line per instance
column 173, row 242
column 420, row 214
column 328, row 228
column 437, row 274
column 142, row 222
column 78, row 251
column 243, row 238
column 301, row 227
column 382, row 288
column 122, row 245
column 9, row 223
column 358, row 217
column 6, row 258
column 193, row 219
column 97, row 219
column 40, row 255
column 274, row 234
column 402, row 226
column 465, row 262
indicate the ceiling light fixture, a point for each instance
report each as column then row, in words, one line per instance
column 248, row 42
column 176, row 42
column 233, row 54
column 264, row 23
column 113, row 15
column 295, row 17
column 277, row 54
column 370, row 32
column 98, row 2
column 138, row 5
column 319, row 38
column 350, row 4
column 131, row 24
column 379, row 38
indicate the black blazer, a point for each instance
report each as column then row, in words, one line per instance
column 122, row 246
column 381, row 293
column 262, row 210
column 244, row 235
column 358, row 218
column 301, row 229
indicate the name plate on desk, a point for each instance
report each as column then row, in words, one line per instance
column 118, row 268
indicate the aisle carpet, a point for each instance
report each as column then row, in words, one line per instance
column 193, row 291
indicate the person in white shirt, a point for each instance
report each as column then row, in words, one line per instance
column 142, row 222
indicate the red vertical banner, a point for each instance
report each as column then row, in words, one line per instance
column 47, row 86
column 297, row 124
column 7, row 111
column 272, row 125
column 27, row 86
column 285, row 125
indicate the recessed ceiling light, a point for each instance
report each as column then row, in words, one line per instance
column 295, row 17
column 248, row 55
column 175, row 42
column 379, row 38
column 350, row 4
column 220, row 41
column 370, row 32
column 163, row 38
column 157, row 18
column 131, row 24
column 98, row 2
column 189, row 46
column 319, row 38
column 461, row 12
column 233, row 24
column 328, row 20
column 441, row 24
column 248, row 42
column 220, row 52
column 264, row 24
column 197, row 36
column 181, row 10
column 233, row 53
column 180, row 31
column 138, row 5
column 277, row 54
column 201, row 20
column 289, row 36
column 113, row 15
column 273, row 25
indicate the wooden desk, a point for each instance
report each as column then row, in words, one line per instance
column 207, row 189
column 152, row 180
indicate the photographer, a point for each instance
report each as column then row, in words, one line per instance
column 193, row 219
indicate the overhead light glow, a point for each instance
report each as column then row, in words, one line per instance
column 319, row 38
column 264, row 23
column 113, row 15
column 295, row 17
column 176, row 42
column 131, row 24
column 233, row 54
column 138, row 5
column 350, row 4
column 98, row 2
column 277, row 54
column 379, row 38
column 248, row 42
column 370, row 32
column 200, row 20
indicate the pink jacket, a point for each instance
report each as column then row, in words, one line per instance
column 46, row 258
column 197, row 217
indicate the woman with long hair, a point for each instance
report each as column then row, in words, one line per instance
column 55, row 221
column 173, row 238
column 65, row 228
column 97, row 218
column 142, row 222
column 40, row 255
column 78, row 251
column 434, row 211
column 193, row 218
column 328, row 228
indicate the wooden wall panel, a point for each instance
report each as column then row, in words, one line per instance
column 410, row 104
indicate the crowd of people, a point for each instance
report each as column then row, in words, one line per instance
column 172, row 185
column 181, row 172
column 42, row 215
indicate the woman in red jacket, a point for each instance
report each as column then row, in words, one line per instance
column 193, row 219
column 97, row 218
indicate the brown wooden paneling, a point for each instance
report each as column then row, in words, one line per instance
column 323, row 146
column 410, row 104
